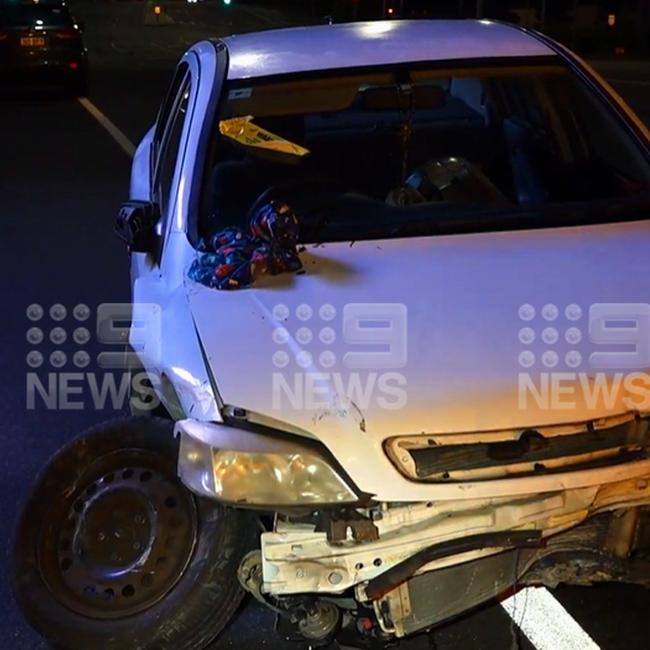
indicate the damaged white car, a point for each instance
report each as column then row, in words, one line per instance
column 390, row 286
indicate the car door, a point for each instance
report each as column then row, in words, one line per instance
column 150, row 289
column 162, row 333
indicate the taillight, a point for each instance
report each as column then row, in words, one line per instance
column 4, row 36
column 66, row 34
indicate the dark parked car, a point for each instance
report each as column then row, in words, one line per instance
column 41, row 42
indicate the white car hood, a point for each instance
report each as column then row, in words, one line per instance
column 467, row 299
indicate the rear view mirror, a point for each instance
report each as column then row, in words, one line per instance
column 391, row 98
column 135, row 225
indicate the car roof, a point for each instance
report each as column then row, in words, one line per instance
column 385, row 42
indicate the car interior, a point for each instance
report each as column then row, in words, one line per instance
column 386, row 147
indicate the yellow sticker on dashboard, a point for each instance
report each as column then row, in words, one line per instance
column 243, row 131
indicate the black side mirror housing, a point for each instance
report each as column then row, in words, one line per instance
column 135, row 225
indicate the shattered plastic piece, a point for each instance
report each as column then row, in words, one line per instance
column 244, row 131
column 233, row 259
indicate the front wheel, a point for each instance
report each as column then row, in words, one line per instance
column 112, row 551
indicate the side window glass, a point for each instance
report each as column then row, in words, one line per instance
column 165, row 113
column 170, row 148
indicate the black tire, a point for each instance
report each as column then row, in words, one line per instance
column 203, row 596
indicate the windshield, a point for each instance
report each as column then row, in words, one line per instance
column 366, row 155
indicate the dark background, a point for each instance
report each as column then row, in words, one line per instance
column 581, row 24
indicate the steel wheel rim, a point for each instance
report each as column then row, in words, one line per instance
column 120, row 539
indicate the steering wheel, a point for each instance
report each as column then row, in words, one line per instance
column 303, row 195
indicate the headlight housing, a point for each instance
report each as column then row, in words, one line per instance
column 248, row 468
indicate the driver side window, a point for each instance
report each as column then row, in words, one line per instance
column 167, row 142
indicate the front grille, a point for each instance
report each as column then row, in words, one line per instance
column 519, row 453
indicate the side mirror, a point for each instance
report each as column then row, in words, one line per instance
column 135, row 225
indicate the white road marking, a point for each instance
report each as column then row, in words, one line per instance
column 546, row 624
column 113, row 131
column 630, row 82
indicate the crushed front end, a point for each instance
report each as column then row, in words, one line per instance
column 547, row 505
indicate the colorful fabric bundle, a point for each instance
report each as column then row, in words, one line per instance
column 234, row 259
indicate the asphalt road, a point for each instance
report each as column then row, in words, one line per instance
column 62, row 177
